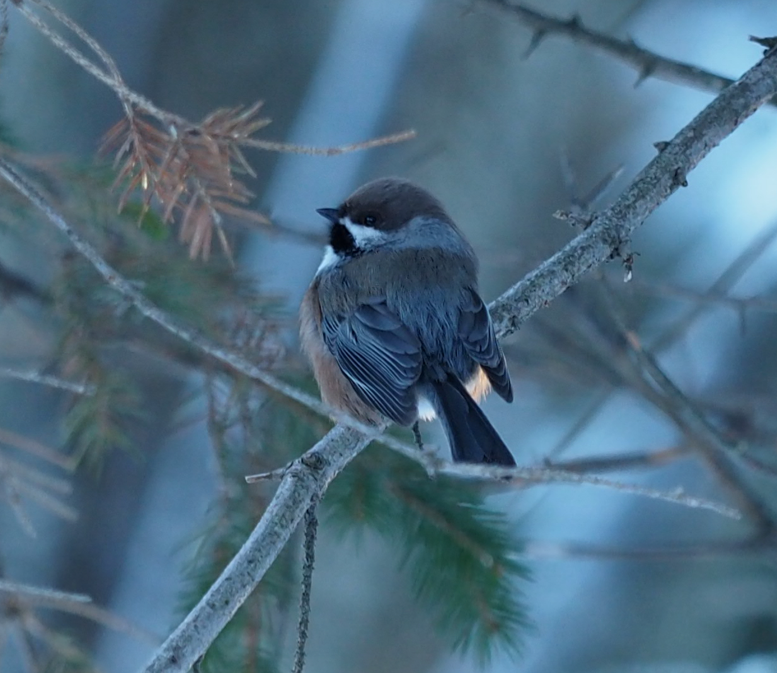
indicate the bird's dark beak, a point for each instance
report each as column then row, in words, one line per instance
column 330, row 214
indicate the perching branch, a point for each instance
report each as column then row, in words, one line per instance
column 607, row 235
column 308, row 477
column 645, row 62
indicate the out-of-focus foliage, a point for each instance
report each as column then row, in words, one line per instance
column 97, row 329
column 459, row 552
column 490, row 129
column 248, row 434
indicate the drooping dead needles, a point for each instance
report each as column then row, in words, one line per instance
column 189, row 169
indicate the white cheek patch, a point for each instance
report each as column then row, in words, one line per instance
column 364, row 237
column 330, row 259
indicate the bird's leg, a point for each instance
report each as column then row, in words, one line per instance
column 417, row 435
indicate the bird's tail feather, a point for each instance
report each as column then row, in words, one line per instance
column 472, row 437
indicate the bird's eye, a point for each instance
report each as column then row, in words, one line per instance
column 369, row 220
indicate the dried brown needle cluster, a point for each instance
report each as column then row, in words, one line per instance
column 189, row 169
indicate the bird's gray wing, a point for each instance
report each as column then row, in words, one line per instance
column 379, row 356
column 477, row 333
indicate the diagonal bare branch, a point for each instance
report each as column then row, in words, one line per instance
column 308, row 477
column 645, row 62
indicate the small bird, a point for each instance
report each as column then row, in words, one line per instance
column 393, row 323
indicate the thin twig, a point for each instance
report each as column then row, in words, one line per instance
column 526, row 477
column 113, row 80
column 35, row 448
column 535, row 549
column 645, row 62
column 34, row 376
column 272, row 475
column 702, row 435
column 41, row 595
column 756, row 248
column 618, row 462
column 737, row 304
column 289, row 148
column 311, row 530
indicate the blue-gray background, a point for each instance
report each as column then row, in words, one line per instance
column 491, row 127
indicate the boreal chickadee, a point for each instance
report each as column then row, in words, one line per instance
column 393, row 323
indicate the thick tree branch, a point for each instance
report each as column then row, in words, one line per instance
column 645, row 62
column 608, row 233
column 308, row 477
